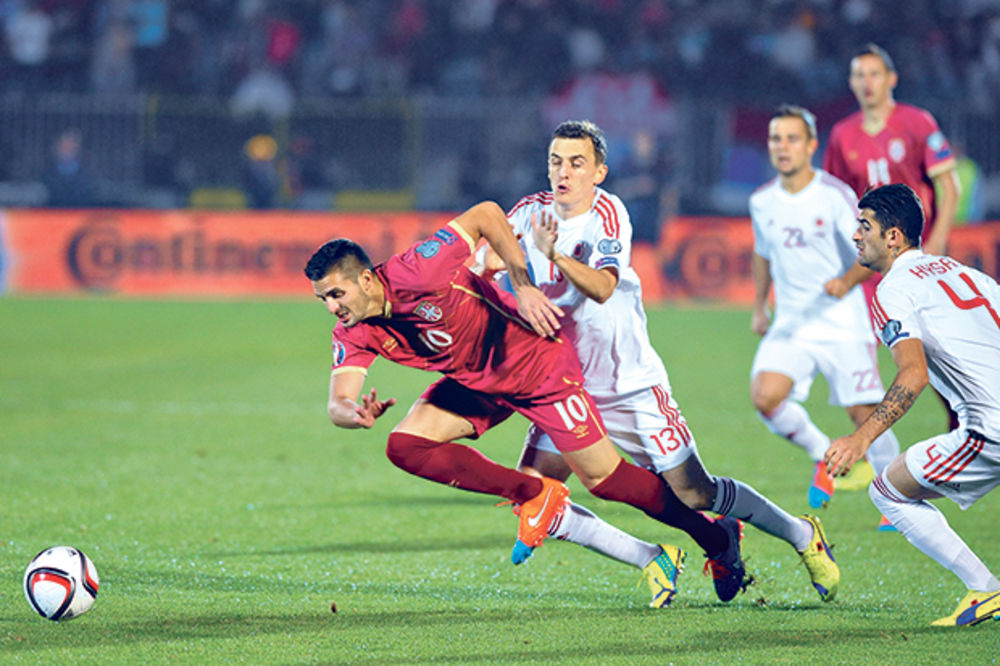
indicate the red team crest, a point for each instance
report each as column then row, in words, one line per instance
column 897, row 150
column 429, row 311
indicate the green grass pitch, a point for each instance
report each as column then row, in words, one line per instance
column 186, row 449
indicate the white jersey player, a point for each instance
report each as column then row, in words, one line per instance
column 940, row 320
column 802, row 223
column 577, row 240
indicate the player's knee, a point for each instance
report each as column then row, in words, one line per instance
column 884, row 495
column 766, row 395
column 765, row 401
column 408, row 452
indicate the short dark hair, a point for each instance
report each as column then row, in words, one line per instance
column 800, row 112
column 339, row 253
column 896, row 205
column 584, row 129
column 871, row 48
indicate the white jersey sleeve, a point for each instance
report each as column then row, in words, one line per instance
column 953, row 310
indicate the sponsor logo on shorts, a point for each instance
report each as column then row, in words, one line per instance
column 581, row 431
column 892, row 331
column 429, row 248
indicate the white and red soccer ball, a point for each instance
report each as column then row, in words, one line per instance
column 61, row 583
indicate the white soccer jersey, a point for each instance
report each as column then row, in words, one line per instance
column 806, row 236
column 955, row 311
column 610, row 338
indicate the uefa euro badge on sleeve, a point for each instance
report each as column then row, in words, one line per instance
column 892, row 331
column 428, row 248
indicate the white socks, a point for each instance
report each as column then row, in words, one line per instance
column 582, row 526
column 791, row 421
column 925, row 527
column 737, row 499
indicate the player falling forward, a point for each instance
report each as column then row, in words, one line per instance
column 423, row 308
column 940, row 319
column 803, row 221
column 577, row 239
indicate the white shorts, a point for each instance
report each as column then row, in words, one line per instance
column 850, row 367
column 960, row 465
column 645, row 424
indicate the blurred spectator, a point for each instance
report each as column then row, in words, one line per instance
column 28, row 31
column 150, row 20
column 67, row 181
column 262, row 180
column 263, row 91
column 112, row 69
column 641, row 181
column 335, row 60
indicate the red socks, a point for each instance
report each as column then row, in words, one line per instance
column 649, row 493
column 459, row 466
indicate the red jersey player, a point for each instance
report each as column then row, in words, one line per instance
column 425, row 309
column 887, row 142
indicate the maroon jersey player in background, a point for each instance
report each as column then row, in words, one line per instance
column 888, row 142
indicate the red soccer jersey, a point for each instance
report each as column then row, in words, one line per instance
column 442, row 317
column 910, row 149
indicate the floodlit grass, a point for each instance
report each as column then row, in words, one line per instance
column 185, row 448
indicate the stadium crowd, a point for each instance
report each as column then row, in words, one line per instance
column 265, row 57
column 792, row 48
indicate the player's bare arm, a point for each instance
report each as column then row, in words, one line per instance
column 343, row 407
column 487, row 220
column 906, row 387
column 595, row 284
column 855, row 275
column 760, row 317
column 947, row 186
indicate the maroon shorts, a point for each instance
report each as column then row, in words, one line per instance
column 567, row 415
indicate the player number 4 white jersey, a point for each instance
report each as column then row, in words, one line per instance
column 955, row 311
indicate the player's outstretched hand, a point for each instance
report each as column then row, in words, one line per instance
column 545, row 229
column 843, row 453
column 536, row 309
column 837, row 287
column 370, row 409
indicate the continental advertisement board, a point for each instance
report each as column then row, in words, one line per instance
column 240, row 254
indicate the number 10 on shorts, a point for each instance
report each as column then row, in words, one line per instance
column 572, row 411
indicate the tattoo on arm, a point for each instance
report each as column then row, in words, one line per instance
column 898, row 399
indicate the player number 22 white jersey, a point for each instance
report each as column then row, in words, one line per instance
column 806, row 237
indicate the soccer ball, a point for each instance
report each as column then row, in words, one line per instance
column 61, row 583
